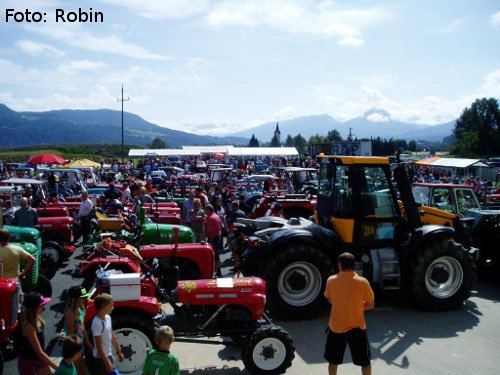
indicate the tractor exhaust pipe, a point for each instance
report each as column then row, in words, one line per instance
column 176, row 237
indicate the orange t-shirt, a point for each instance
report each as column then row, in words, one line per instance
column 347, row 292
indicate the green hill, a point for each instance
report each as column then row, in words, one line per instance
column 91, row 126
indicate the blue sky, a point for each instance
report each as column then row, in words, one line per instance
column 237, row 64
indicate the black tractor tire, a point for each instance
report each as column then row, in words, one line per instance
column 442, row 275
column 290, row 212
column 135, row 333
column 296, row 278
column 268, row 351
column 44, row 287
column 54, row 250
column 47, row 266
column 1, row 362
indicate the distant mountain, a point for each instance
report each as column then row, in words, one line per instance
column 373, row 123
column 92, row 126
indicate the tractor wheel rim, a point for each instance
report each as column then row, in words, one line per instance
column 51, row 252
column 299, row 283
column 269, row 354
column 443, row 286
column 135, row 346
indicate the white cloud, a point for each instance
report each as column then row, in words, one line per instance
column 285, row 112
column 454, row 26
column 161, row 9
column 74, row 36
column 495, row 20
column 378, row 117
column 34, row 48
column 323, row 19
column 72, row 67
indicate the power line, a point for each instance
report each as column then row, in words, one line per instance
column 122, row 100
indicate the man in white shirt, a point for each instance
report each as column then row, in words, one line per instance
column 126, row 195
column 85, row 214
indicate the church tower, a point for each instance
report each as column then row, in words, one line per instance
column 277, row 134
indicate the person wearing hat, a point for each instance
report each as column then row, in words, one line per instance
column 74, row 315
column 32, row 358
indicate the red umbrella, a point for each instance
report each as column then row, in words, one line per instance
column 46, row 159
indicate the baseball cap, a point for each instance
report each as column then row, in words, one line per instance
column 35, row 299
column 78, row 292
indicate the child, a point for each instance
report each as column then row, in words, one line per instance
column 74, row 315
column 104, row 337
column 72, row 346
column 161, row 361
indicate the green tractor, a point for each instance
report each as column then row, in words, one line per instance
column 145, row 232
column 30, row 240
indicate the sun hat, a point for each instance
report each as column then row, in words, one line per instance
column 78, row 291
column 35, row 299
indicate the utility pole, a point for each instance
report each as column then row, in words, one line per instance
column 122, row 100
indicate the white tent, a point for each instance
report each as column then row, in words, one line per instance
column 263, row 151
column 228, row 150
column 458, row 163
column 143, row 152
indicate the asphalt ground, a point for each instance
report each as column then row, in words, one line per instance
column 404, row 339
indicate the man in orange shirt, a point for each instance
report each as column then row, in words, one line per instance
column 350, row 295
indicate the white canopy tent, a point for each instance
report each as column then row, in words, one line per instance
column 455, row 164
column 228, row 150
column 143, row 152
column 263, row 151
column 458, row 163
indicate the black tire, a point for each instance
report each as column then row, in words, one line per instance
column 47, row 266
column 54, row 250
column 296, row 279
column 44, row 287
column 296, row 212
column 442, row 275
column 1, row 362
column 268, row 351
column 135, row 335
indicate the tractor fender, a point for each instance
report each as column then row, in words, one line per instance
column 427, row 232
column 144, row 306
column 281, row 237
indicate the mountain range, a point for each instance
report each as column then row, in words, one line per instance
column 373, row 123
column 104, row 126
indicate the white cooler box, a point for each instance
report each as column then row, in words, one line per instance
column 123, row 286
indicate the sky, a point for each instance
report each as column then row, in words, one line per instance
column 217, row 67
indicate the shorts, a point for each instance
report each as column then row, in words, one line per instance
column 357, row 339
column 28, row 366
column 96, row 365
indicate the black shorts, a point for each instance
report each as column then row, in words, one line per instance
column 358, row 343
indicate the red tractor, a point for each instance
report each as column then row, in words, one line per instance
column 187, row 260
column 9, row 295
column 200, row 308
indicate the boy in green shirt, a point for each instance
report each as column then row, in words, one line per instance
column 72, row 347
column 161, row 361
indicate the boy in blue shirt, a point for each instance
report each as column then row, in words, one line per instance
column 72, row 346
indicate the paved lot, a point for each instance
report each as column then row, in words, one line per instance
column 404, row 339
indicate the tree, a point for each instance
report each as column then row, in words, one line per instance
column 300, row 143
column 477, row 130
column 289, row 141
column 158, row 143
column 333, row 136
column 412, row 146
column 274, row 142
column 253, row 142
